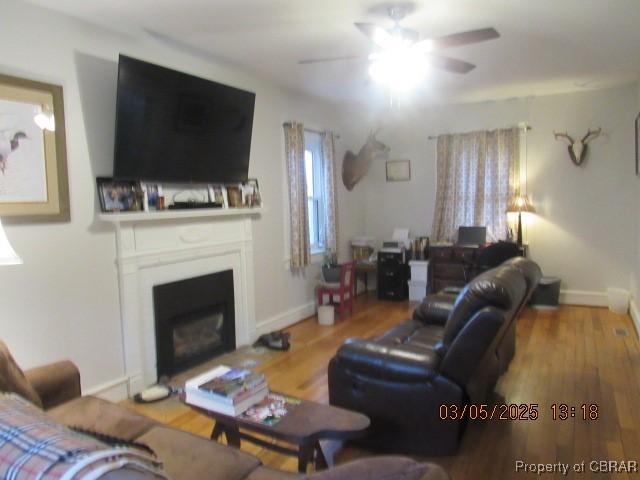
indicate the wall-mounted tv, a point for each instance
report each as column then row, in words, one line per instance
column 174, row 127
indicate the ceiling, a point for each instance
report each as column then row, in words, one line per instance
column 546, row 46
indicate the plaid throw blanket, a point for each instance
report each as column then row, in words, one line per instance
column 34, row 447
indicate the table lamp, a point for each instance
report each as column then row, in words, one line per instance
column 8, row 255
column 518, row 204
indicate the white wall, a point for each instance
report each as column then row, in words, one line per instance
column 63, row 302
column 584, row 231
column 635, row 275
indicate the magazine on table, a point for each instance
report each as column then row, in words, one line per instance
column 269, row 411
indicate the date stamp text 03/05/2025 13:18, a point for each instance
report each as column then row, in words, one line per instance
column 517, row 411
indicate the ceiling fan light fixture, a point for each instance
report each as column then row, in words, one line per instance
column 399, row 69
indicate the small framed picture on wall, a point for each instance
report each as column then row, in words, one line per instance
column 398, row 171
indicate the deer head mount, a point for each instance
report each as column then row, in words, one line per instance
column 354, row 167
column 578, row 149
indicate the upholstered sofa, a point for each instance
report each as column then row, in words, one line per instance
column 56, row 389
column 451, row 352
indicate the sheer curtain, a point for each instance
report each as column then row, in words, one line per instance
column 330, row 221
column 294, row 153
column 477, row 172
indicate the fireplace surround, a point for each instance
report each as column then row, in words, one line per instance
column 156, row 248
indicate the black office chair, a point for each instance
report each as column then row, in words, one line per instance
column 489, row 257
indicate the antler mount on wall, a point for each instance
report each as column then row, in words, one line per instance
column 578, row 148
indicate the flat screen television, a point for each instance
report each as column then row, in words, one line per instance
column 175, row 127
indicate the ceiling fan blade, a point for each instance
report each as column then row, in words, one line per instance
column 332, row 59
column 451, row 64
column 376, row 34
column 465, row 38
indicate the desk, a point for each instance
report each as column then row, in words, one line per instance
column 446, row 265
column 366, row 268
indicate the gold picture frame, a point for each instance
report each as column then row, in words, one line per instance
column 34, row 183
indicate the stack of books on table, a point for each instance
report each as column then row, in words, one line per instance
column 226, row 390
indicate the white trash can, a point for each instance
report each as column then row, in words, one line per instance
column 417, row 290
column 618, row 300
column 325, row 315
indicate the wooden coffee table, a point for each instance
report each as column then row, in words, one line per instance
column 304, row 426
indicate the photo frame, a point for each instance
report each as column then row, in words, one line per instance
column 251, row 193
column 218, row 194
column 234, row 196
column 637, row 138
column 34, row 183
column 153, row 191
column 398, row 170
column 118, row 196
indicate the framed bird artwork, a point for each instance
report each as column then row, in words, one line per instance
column 33, row 164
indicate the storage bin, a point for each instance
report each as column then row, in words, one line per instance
column 325, row 315
column 417, row 290
column 547, row 293
column 618, row 300
column 419, row 270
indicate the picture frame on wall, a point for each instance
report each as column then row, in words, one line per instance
column 637, row 138
column 34, row 183
column 398, row 170
column 118, row 196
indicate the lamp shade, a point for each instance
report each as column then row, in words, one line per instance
column 520, row 203
column 8, row 255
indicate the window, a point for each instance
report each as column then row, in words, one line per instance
column 315, row 192
column 477, row 174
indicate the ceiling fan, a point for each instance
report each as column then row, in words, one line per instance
column 404, row 56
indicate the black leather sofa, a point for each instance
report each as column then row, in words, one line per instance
column 451, row 352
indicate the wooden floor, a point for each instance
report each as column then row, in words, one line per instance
column 570, row 356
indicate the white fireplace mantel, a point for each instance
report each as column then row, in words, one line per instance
column 159, row 215
column 153, row 248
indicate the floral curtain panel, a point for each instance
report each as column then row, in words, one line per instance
column 294, row 152
column 477, row 172
column 330, row 223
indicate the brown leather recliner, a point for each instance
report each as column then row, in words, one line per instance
column 437, row 307
column 401, row 379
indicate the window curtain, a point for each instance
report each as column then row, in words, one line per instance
column 330, row 223
column 477, row 172
column 294, row 152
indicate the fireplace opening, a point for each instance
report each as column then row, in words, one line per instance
column 195, row 321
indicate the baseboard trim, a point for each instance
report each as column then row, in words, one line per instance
column 583, row 297
column 114, row 390
column 634, row 310
column 285, row 319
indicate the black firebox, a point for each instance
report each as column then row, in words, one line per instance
column 195, row 321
